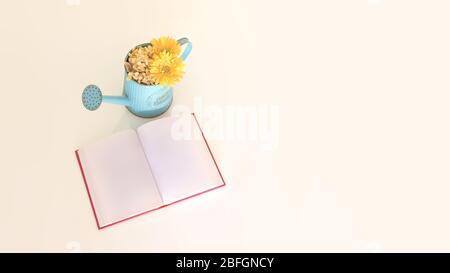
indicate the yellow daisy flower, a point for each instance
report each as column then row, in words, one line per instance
column 166, row 44
column 166, row 68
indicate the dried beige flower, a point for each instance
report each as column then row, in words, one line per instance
column 138, row 65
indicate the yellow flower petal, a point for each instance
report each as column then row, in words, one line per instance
column 166, row 68
column 166, row 44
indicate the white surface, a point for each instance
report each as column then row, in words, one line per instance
column 181, row 167
column 362, row 88
column 120, row 182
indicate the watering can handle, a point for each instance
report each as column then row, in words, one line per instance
column 188, row 48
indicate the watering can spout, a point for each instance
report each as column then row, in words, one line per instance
column 120, row 100
column 92, row 98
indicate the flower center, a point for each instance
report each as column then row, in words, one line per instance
column 165, row 69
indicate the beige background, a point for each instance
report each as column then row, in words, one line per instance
column 362, row 87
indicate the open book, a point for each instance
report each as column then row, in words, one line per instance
column 138, row 171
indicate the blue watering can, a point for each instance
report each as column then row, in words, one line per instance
column 142, row 100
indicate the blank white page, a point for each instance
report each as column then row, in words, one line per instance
column 181, row 167
column 119, row 178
